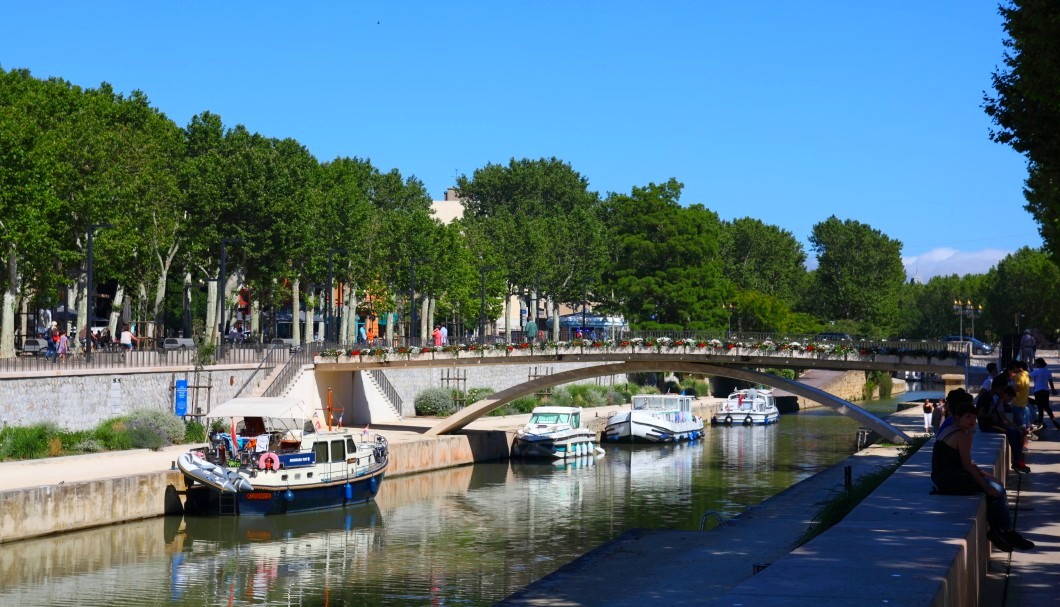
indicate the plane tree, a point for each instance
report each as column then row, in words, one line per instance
column 665, row 268
column 858, row 277
column 1026, row 106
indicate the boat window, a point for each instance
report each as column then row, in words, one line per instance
column 549, row 418
column 350, row 446
column 574, row 420
column 321, row 451
column 338, row 450
column 308, row 427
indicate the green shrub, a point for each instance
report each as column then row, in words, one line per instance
column 524, row 404
column 194, row 432
column 614, row 397
column 476, row 394
column 627, row 390
column 113, row 434
column 166, row 425
column 29, row 442
column 435, row 402
column 561, row 397
column 88, row 445
column 587, row 395
column 695, row 387
column 143, row 435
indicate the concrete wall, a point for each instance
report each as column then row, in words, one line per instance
column 79, row 400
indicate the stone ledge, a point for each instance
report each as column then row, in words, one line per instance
column 901, row 545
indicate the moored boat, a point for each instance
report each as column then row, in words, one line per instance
column 280, row 458
column 555, row 432
column 748, row 407
column 655, row 418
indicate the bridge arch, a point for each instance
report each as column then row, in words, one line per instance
column 499, row 399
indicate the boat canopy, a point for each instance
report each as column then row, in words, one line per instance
column 282, row 408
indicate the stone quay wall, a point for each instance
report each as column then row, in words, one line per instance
column 78, row 400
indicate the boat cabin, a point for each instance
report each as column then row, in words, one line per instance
column 553, row 416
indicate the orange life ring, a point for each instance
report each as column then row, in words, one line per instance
column 269, row 461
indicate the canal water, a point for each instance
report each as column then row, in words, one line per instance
column 466, row 536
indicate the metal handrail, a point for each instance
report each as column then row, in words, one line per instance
column 387, row 388
column 290, row 369
column 261, row 365
column 711, row 514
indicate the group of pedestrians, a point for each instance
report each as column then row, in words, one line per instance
column 1003, row 406
column 440, row 336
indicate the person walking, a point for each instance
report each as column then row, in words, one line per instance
column 928, row 409
column 1042, row 378
column 954, row 473
column 1020, row 380
column 127, row 339
column 1028, row 346
column 64, row 346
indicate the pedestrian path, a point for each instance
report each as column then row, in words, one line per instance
column 1032, row 578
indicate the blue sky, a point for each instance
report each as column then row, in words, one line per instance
column 786, row 111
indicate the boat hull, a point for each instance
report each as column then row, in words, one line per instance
column 205, row 500
column 639, row 427
column 744, row 419
column 576, row 444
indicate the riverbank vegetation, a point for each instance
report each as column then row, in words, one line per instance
column 140, row 429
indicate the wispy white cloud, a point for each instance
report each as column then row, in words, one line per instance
column 944, row 261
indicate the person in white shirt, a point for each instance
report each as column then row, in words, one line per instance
column 1042, row 387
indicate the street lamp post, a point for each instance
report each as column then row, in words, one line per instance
column 414, row 329
column 221, row 281
column 966, row 309
column 482, row 308
column 331, row 277
column 91, row 287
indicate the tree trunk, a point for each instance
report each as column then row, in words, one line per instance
column 7, row 314
column 255, row 320
column 390, row 327
column 211, row 312
column 508, row 318
column 296, row 310
column 555, row 320
column 115, row 310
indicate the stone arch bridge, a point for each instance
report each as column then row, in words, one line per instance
column 735, row 364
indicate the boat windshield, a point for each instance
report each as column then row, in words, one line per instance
column 550, row 418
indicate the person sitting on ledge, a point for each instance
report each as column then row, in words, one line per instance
column 954, row 473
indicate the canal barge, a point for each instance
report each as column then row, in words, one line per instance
column 280, row 458
column 555, row 432
column 748, row 407
column 655, row 418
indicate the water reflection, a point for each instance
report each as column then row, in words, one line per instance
column 462, row 536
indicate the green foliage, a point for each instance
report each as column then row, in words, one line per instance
column 113, row 434
column 877, row 379
column 29, row 442
column 791, row 374
column 168, row 427
column 1026, row 107
column 435, row 402
column 194, row 432
column 763, row 258
column 859, row 274
column 666, row 268
column 518, row 406
column 627, row 390
column 695, row 387
column 561, row 397
column 476, row 394
column 588, row 395
column 143, row 435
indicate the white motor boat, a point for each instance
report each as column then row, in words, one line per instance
column 655, row 418
column 748, row 407
column 555, row 432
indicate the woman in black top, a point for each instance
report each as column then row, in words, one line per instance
column 954, row 473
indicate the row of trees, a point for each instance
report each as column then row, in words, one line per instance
column 71, row 158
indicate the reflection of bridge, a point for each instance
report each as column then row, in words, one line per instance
column 735, row 363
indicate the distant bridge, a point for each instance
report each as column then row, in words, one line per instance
column 736, row 363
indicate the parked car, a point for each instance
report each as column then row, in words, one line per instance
column 829, row 336
column 178, row 343
column 34, row 346
column 978, row 347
